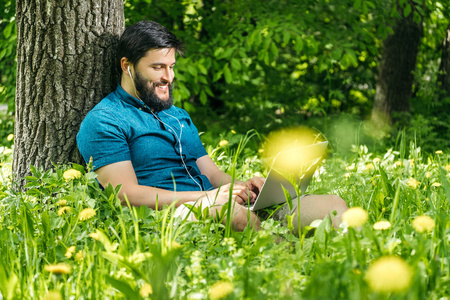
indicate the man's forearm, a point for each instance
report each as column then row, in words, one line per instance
column 139, row 195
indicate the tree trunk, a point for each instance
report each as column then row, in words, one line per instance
column 398, row 61
column 65, row 65
column 444, row 68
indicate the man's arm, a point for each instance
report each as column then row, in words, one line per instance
column 123, row 173
column 217, row 177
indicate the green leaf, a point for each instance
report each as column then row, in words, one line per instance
column 8, row 29
column 274, row 50
column 124, row 287
column 203, row 97
column 227, row 74
column 407, row 10
column 286, row 37
column 235, row 64
column 202, row 69
column 218, row 52
column 336, row 54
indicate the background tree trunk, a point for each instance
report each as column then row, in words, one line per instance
column 65, row 65
column 444, row 68
column 398, row 61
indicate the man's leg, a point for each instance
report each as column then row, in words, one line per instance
column 313, row 207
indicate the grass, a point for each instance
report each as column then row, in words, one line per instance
column 123, row 252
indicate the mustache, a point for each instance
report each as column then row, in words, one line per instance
column 154, row 84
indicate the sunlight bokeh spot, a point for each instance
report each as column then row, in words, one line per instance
column 295, row 158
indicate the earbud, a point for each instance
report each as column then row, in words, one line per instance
column 129, row 72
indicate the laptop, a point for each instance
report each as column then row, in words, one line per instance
column 272, row 191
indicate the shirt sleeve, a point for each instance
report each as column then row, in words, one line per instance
column 102, row 137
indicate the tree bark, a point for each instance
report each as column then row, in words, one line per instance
column 398, row 61
column 444, row 68
column 65, row 65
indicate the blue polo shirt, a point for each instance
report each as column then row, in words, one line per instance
column 122, row 128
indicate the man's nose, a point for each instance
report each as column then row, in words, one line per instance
column 168, row 74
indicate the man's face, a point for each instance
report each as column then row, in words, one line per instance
column 153, row 78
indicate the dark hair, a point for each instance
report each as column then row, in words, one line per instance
column 143, row 36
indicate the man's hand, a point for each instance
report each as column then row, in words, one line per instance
column 255, row 185
column 241, row 193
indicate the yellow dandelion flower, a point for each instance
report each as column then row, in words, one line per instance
column 411, row 162
column 398, row 163
column 412, row 182
column 146, row 290
column 382, row 225
column 86, row 214
column 439, row 152
column 447, row 168
column 60, row 268
column 220, row 290
column 53, row 295
column 79, row 256
column 436, row 184
column 223, row 143
column 376, row 160
column 63, row 210
column 70, row 251
column 423, row 224
column 62, row 202
column 369, row 166
column 71, row 174
column 95, row 236
column 427, row 174
column 10, row 137
column 355, row 217
column 389, row 274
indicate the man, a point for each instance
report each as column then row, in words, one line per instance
column 137, row 138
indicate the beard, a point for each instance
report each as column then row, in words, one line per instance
column 148, row 94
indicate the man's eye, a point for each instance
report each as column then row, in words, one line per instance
column 157, row 68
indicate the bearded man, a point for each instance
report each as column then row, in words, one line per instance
column 139, row 139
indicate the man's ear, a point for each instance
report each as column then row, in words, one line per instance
column 125, row 64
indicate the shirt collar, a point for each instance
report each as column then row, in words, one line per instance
column 125, row 97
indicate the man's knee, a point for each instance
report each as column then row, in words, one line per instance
column 338, row 204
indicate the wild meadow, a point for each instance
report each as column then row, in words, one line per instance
column 65, row 238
